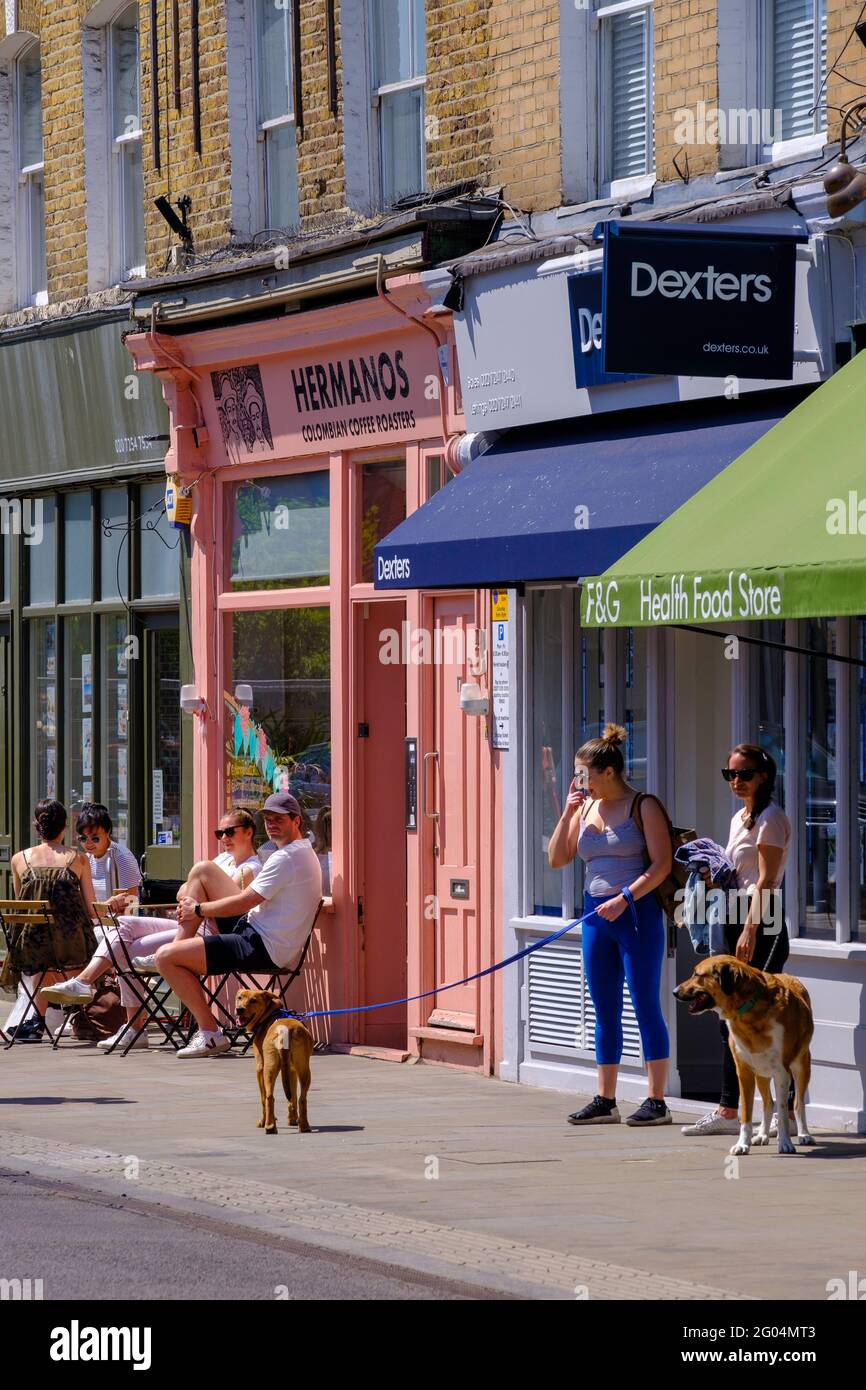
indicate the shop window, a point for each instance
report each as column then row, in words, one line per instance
column 398, row 70
column 280, row 532
column 159, row 545
column 6, row 569
column 551, row 767
column 43, row 638
column 383, row 506
column 113, row 542
column 282, row 741
column 277, row 135
column 77, row 548
column 126, row 173
column 42, row 554
column 589, row 712
column 820, row 757
column 165, row 737
column 438, row 474
column 767, row 679
column 634, row 655
column 626, row 37
column 797, row 62
column 32, row 272
column 79, row 717
column 115, row 724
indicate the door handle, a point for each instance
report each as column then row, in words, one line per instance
column 431, row 815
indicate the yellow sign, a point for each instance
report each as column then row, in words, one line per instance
column 499, row 605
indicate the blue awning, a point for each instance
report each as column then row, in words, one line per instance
column 514, row 515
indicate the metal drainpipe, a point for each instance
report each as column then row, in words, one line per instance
column 452, row 462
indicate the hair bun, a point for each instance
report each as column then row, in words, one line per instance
column 614, row 734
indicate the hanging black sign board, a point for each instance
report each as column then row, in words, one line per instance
column 687, row 301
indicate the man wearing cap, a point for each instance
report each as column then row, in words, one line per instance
column 260, row 929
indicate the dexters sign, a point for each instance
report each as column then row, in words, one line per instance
column 587, row 331
column 687, row 301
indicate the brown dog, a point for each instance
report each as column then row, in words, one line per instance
column 770, row 1026
column 283, row 1046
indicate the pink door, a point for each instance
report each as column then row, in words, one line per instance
column 380, row 822
column 451, row 772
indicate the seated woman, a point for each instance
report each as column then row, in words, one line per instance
column 51, row 872
column 138, row 938
column 113, row 868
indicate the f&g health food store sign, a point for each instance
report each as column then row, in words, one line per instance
column 688, row 301
column 647, row 601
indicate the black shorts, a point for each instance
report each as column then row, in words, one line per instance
column 237, row 947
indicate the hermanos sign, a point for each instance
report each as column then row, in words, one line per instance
column 692, row 301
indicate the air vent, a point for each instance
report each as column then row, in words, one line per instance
column 561, row 1014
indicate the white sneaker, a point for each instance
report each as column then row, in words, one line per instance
column 712, row 1123
column 206, row 1045
column 141, row 1040
column 68, row 992
column 146, row 963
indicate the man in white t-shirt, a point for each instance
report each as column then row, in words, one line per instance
column 260, row 929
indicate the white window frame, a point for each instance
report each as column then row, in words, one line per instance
column 120, row 144
column 799, row 145
column 29, row 293
column 385, row 90
column 745, row 67
column 262, row 128
column 639, row 185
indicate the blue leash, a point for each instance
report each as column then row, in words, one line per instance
column 500, row 965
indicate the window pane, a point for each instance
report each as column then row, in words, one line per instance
column 6, row 571
column 114, row 735
column 42, row 555
column 549, row 779
column 280, row 532
column 132, row 214
column 125, row 106
column 767, row 677
column 402, row 134
column 798, row 69
column 859, row 928
column 160, row 550
column 635, row 666
column 628, row 93
column 166, row 754
column 284, row 741
column 590, row 710
column 114, row 542
column 78, row 548
column 383, row 506
column 30, row 108
column 78, row 688
column 435, row 479
column 820, row 753
column 36, row 234
column 43, row 635
column 398, row 40
column 275, row 60
column 281, row 175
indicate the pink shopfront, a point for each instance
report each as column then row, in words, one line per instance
column 304, row 443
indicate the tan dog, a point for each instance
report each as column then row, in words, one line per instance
column 283, row 1046
column 770, row 1026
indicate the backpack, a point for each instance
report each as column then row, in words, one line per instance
column 670, row 887
column 102, row 1017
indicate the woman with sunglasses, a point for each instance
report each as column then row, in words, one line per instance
column 113, row 868
column 140, row 938
column 758, row 846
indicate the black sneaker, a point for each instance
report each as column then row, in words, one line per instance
column 652, row 1112
column 31, row 1031
column 600, row 1111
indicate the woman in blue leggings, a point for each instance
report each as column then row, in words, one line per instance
column 623, row 933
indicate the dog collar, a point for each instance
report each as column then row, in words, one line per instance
column 749, row 1004
column 271, row 1018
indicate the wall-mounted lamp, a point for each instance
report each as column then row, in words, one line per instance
column 244, row 695
column 471, row 699
column 845, row 183
column 190, row 700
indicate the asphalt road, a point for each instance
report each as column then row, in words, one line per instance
column 84, row 1245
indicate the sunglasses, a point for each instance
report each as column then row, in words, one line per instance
column 739, row 774
column 92, row 839
column 229, row 832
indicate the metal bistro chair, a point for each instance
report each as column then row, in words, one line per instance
column 278, row 980
column 151, row 990
column 17, row 916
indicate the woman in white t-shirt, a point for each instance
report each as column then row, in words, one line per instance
column 758, row 844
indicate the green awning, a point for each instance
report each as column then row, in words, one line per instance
column 779, row 533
